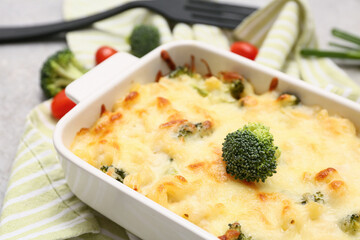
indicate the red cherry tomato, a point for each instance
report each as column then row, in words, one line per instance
column 61, row 104
column 103, row 53
column 244, row 49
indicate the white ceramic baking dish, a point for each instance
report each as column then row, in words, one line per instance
column 109, row 81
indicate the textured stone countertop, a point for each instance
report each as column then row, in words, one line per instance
column 20, row 63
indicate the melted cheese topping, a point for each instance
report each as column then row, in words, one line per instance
column 153, row 134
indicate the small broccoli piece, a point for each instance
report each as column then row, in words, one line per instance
column 235, row 226
column 104, row 168
column 288, row 99
column 316, row 197
column 201, row 128
column 118, row 174
column 180, row 71
column 244, row 237
column 143, row 39
column 351, row 223
column 236, row 88
column 249, row 153
column 204, row 128
column 234, row 233
column 186, row 130
column 201, row 92
column 58, row 71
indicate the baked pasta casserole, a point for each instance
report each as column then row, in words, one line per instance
column 165, row 140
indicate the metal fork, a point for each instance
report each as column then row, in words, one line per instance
column 188, row 11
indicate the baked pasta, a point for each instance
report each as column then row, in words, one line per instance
column 164, row 139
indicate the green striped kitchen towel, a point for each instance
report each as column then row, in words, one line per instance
column 38, row 203
column 281, row 29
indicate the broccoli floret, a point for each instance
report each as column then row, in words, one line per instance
column 351, row 223
column 117, row 173
column 244, row 237
column 249, row 153
column 120, row 174
column 201, row 128
column 179, row 71
column 316, row 197
column 186, row 130
column 235, row 226
column 58, row 71
column 104, row 168
column 288, row 99
column 229, row 235
column 204, row 128
column 143, row 39
column 236, row 88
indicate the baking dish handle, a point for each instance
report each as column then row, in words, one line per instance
column 99, row 76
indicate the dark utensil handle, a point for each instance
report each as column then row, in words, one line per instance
column 34, row 32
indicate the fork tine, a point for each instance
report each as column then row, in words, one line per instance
column 218, row 7
column 216, row 12
column 219, row 16
column 217, row 21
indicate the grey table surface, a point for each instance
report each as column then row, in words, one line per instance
column 20, row 63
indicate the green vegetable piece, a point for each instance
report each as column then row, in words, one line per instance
column 117, row 173
column 179, row 71
column 351, row 223
column 242, row 236
column 344, row 47
column 350, row 53
column 186, row 130
column 331, row 54
column 346, row 36
column 104, row 168
column 316, row 197
column 120, row 174
column 200, row 91
column 236, row 88
column 143, row 39
column 236, row 226
column 58, row 71
column 249, row 153
column 202, row 129
column 288, row 99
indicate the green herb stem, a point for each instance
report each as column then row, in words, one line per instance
column 331, row 54
column 346, row 36
column 333, row 44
